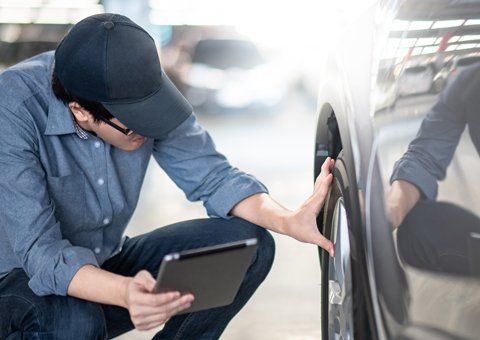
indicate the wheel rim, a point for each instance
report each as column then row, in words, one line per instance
column 340, row 309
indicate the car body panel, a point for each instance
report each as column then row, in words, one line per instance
column 375, row 133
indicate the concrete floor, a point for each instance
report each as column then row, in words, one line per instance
column 278, row 150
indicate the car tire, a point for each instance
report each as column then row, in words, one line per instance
column 343, row 312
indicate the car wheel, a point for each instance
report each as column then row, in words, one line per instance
column 342, row 315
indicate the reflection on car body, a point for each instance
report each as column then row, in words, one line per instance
column 460, row 64
column 386, row 93
column 384, row 284
column 416, row 79
column 451, row 69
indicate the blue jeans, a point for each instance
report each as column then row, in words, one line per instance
column 24, row 315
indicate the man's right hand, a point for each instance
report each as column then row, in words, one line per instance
column 149, row 309
column 401, row 198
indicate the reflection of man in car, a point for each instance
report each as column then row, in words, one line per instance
column 416, row 173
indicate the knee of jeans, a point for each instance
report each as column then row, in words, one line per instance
column 74, row 318
column 88, row 320
column 265, row 253
column 266, row 249
column 59, row 317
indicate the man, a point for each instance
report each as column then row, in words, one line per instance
column 77, row 130
column 436, row 235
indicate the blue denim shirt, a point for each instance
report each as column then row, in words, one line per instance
column 430, row 153
column 66, row 201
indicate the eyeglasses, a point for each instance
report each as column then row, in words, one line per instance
column 125, row 131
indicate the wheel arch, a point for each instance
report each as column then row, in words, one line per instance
column 333, row 134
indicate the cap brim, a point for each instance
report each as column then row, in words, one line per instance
column 156, row 115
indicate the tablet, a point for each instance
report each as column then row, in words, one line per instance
column 212, row 274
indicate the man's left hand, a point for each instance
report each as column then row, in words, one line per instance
column 302, row 223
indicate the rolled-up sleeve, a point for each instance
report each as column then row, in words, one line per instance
column 188, row 156
column 429, row 154
column 28, row 214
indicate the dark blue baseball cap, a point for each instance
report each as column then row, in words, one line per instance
column 109, row 59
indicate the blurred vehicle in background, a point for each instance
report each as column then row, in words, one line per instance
column 386, row 93
column 441, row 78
column 226, row 75
column 452, row 70
column 19, row 41
column 416, row 79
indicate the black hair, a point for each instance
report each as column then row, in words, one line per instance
column 95, row 108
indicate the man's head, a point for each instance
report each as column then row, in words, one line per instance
column 93, row 116
column 111, row 77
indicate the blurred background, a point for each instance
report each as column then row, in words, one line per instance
column 251, row 70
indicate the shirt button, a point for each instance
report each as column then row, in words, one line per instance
column 97, row 250
column 100, row 181
column 97, row 144
column 106, row 221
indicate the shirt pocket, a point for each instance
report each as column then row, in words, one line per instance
column 68, row 195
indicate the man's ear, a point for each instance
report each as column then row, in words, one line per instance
column 81, row 115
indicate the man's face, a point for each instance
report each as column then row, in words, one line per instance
column 106, row 132
column 115, row 137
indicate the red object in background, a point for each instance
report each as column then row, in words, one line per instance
column 444, row 42
column 409, row 54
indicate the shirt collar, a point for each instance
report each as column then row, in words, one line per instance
column 59, row 120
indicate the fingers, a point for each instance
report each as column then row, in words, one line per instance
column 325, row 170
column 321, row 193
column 149, row 309
column 173, row 307
column 326, row 244
column 142, row 305
column 154, row 317
column 327, row 166
column 159, row 320
column 145, row 279
column 155, row 300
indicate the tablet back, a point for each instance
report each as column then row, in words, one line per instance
column 213, row 274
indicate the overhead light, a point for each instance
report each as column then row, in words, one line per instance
column 408, row 42
column 21, row 3
column 430, row 49
column 419, row 25
column 466, row 46
column 417, row 51
column 45, row 3
column 470, row 37
column 447, row 23
column 453, row 39
column 425, row 41
column 452, row 47
column 15, row 15
column 472, row 22
column 47, row 14
column 188, row 18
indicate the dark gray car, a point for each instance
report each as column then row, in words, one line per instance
column 382, row 283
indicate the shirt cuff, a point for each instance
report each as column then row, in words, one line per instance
column 55, row 276
column 417, row 175
column 232, row 192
